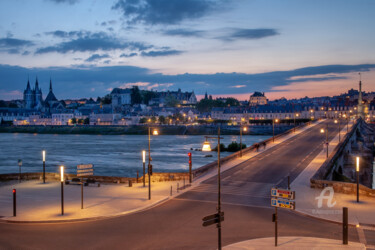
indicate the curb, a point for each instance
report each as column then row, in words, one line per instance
column 137, row 210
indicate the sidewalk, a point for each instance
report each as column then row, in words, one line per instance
column 42, row 202
column 294, row 243
column 37, row 202
column 306, row 202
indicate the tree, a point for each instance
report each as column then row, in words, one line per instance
column 74, row 120
column 107, row 99
column 143, row 120
column 162, row 119
column 147, row 96
column 171, row 101
column 153, row 119
column 232, row 102
column 86, row 121
column 3, row 104
column 136, row 95
column 206, row 105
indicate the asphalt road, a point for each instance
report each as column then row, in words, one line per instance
column 177, row 224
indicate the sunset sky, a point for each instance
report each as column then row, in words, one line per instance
column 288, row 48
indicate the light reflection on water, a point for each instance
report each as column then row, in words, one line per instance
column 112, row 155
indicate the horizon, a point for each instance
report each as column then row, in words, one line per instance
column 286, row 49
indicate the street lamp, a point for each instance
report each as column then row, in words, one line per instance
column 273, row 128
column 295, row 115
column 357, row 173
column 205, row 148
column 338, row 121
column 144, row 167
column 62, row 188
column 244, row 129
column 44, row 166
column 326, row 131
column 154, row 132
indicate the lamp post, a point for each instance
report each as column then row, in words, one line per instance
column 338, row 121
column 154, row 132
column 207, row 147
column 326, row 131
column 144, row 167
column 244, row 129
column 273, row 128
column 357, row 173
column 295, row 115
column 62, row 188
column 44, row 166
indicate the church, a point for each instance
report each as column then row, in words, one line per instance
column 33, row 98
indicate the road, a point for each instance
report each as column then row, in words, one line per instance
column 177, row 224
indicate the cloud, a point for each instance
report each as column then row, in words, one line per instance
column 128, row 55
column 250, row 34
column 156, row 53
column 238, row 86
column 71, row 2
column 87, row 41
column 76, row 81
column 13, row 45
column 184, row 33
column 96, row 57
column 163, row 11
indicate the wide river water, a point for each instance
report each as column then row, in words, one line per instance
column 112, row 155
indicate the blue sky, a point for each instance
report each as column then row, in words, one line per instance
column 225, row 47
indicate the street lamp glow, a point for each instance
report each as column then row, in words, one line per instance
column 357, row 160
column 62, row 173
column 276, row 120
column 322, row 130
column 155, row 132
column 245, row 129
column 44, row 155
column 206, row 146
column 335, row 121
column 144, row 156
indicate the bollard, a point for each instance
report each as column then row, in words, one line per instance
column 178, row 186
column 14, row 202
column 137, row 176
column 130, row 183
column 345, row 225
column 171, row 190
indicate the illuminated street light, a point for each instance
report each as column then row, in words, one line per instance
column 295, row 115
column 62, row 188
column 154, row 132
column 273, row 128
column 326, row 131
column 206, row 146
column 44, row 166
column 144, row 166
column 357, row 173
column 244, row 129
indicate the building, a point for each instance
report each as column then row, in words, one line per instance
column 257, row 98
column 181, row 97
column 121, row 97
column 33, row 97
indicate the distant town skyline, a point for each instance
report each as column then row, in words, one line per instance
column 287, row 48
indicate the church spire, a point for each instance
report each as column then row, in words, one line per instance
column 50, row 84
column 28, row 84
column 360, row 100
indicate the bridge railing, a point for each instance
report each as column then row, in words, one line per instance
column 199, row 171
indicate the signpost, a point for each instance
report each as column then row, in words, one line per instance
column 83, row 171
column 281, row 198
column 213, row 219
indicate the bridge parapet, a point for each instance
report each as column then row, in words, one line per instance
column 338, row 170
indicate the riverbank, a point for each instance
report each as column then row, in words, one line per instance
column 143, row 130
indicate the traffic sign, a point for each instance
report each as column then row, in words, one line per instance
column 85, row 170
column 213, row 219
column 283, row 203
column 283, row 193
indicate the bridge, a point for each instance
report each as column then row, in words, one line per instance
column 245, row 183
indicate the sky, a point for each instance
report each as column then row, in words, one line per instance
column 288, row 48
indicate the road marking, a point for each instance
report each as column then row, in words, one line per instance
column 361, row 235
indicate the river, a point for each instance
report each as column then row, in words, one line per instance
column 112, row 155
